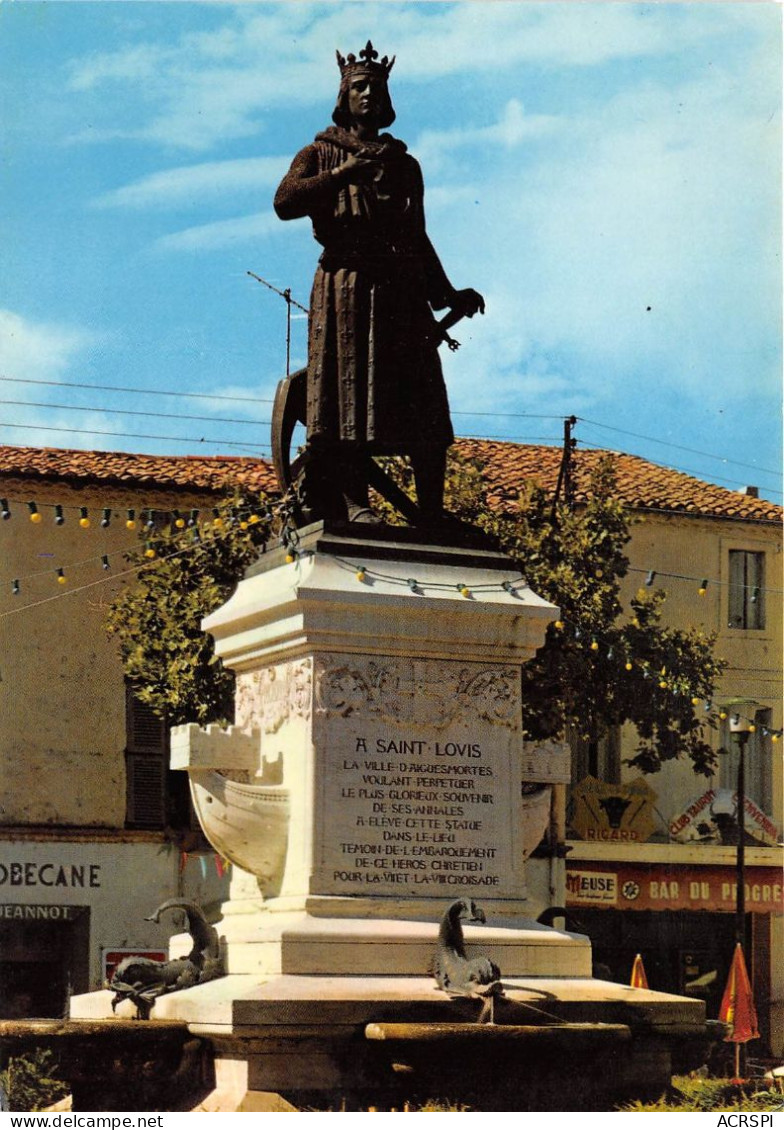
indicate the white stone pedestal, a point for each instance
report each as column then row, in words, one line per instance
column 377, row 764
column 377, row 772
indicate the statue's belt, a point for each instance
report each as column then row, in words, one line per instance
column 379, row 258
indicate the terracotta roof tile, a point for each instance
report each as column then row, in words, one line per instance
column 184, row 472
column 641, row 484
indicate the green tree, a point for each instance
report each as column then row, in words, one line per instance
column 183, row 575
column 601, row 665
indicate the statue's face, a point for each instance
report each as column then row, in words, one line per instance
column 366, row 97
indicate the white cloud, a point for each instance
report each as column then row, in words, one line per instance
column 192, row 184
column 203, row 88
column 221, row 233
column 39, row 350
column 44, row 352
column 659, row 200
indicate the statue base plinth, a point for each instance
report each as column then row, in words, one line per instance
column 378, row 772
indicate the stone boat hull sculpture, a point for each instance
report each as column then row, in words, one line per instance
column 247, row 824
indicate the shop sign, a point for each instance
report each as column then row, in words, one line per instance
column 27, row 873
column 674, row 887
column 31, row 912
column 713, row 819
column 590, row 887
column 613, row 813
column 112, row 958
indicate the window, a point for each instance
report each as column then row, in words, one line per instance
column 156, row 797
column 747, row 579
column 758, row 762
column 146, row 763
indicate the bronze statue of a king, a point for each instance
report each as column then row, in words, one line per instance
column 373, row 384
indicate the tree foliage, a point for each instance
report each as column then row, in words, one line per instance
column 602, row 665
column 183, row 575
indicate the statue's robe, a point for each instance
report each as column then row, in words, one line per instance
column 374, row 375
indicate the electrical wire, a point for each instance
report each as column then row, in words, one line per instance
column 137, row 412
column 139, row 391
column 672, row 467
column 137, row 435
column 482, row 414
column 678, row 446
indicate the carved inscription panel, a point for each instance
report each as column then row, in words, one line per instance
column 418, row 786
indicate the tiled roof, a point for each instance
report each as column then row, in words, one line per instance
column 170, row 472
column 641, row 484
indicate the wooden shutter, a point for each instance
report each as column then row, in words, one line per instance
column 146, row 764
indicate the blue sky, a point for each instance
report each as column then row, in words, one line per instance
column 606, row 174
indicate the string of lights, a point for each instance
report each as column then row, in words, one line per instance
column 152, row 518
column 146, row 519
column 666, row 680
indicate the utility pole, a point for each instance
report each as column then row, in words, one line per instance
column 565, row 470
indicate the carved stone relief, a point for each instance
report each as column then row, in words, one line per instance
column 430, row 692
column 267, row 698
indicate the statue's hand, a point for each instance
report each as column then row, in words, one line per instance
column 357, row 169
column 468, row 302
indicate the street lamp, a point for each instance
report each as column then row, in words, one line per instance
column 741, row 726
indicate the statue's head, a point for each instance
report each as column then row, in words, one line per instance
column 363, row 89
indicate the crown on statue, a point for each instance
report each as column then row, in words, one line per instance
column 365, row 63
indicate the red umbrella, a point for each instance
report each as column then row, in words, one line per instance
column 737, row 1006
column 639, row 980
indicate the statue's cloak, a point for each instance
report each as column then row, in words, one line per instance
column 374, row 375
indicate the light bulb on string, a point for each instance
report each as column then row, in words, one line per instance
column 150, row 520
column 193, row 518
column 130, row 521
column 179, row 521
column 107, row 517
column 15, row 588
column 105, row 561
column 703, row 587
column 61, row 578
column 4, row 509
column 594, row 645
column 59, row 517
column 84, row 518
column 650, row 578
column 35, row 517
column 360, row 573
column 464, row 590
